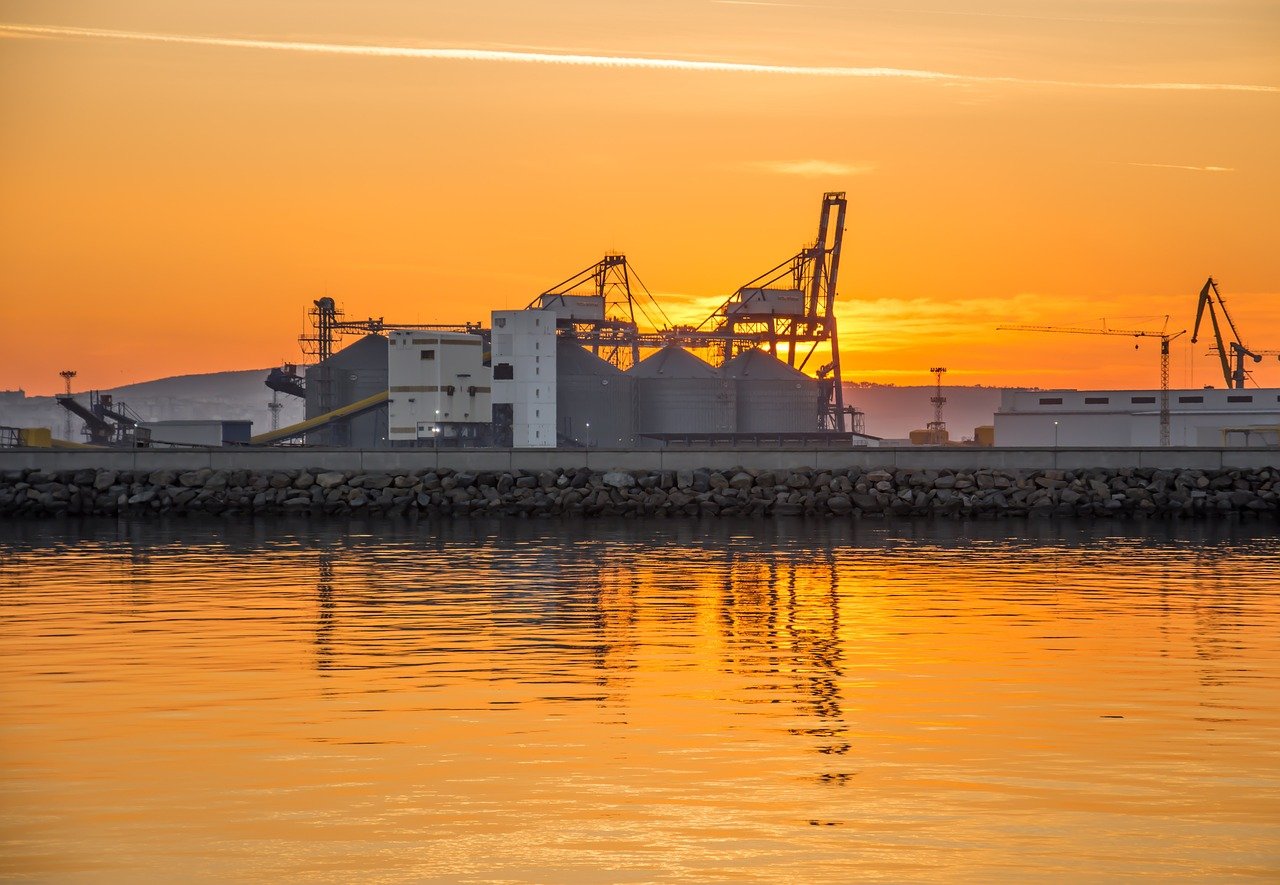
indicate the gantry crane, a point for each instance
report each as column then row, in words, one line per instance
column 787, row 311
column 793, row 304
column 1229, row 352
column 1165, row 338
column 600, row 309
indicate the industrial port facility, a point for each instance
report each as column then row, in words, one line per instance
column 594, row 362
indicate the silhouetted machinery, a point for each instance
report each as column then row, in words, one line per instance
column 285, row 379
column 788, row 311
column 106, row 422
column 1231, row 353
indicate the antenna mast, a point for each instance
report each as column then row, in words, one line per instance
column 937, row 427
column 67, row 375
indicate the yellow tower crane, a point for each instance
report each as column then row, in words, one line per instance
column 1165, row 338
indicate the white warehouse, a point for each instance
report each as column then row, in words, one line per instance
column 1122, row 418
column 524, row 374
column 438, row 387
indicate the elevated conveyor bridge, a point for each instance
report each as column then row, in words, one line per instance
column 293, row 431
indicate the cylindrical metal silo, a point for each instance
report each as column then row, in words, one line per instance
column 772, row 396
column 595, row 401
column 679, row 393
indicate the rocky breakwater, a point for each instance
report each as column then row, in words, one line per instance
column 728, row 492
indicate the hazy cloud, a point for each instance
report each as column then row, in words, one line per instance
column 1189, row 168
column 812, row 168
column 608, row 61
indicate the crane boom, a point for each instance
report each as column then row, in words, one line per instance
column 1228, row 352
column 1135, row 333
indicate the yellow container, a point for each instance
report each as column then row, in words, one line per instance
column 928, row 438
column 36, row 437
column 984, row 435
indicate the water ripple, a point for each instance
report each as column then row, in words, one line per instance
column 638, row 701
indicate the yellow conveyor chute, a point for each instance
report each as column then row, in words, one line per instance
column 349, row 411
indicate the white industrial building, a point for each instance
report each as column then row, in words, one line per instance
column 524, row 374
column 1121, row 418
column 438, row 387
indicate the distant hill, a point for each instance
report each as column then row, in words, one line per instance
column 240, row 394
column 246, row 383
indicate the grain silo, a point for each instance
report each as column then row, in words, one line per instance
column 677, row 393
column 772, row 397
column 595, row 401
column 354, row 373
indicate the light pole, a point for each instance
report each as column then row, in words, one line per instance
column 1055, row 434
column 588, row 434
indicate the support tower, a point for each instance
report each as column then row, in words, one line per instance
column 937, row 427
column 67, row 375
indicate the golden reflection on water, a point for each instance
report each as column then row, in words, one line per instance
column 639, row 701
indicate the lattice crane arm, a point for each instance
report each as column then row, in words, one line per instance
column 1132, row 333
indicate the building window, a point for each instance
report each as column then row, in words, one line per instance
column 1190, row 399
column 426, row 354
column 501, row 322
column 503, row 372
column 537, row 371
column 1239, row 399
column 1097, row 400
column 537, row 345
column 537, row 413
column 1140, row 400
column 1050, row 400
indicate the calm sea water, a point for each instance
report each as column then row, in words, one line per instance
column 632, row 701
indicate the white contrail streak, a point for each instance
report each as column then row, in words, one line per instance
column 607, row 61
column 1186, row 168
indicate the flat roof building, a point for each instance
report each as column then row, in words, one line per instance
column 1131, row 418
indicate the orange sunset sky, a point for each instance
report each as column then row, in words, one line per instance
column 179, row 180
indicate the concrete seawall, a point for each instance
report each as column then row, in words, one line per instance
column 141, row 488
